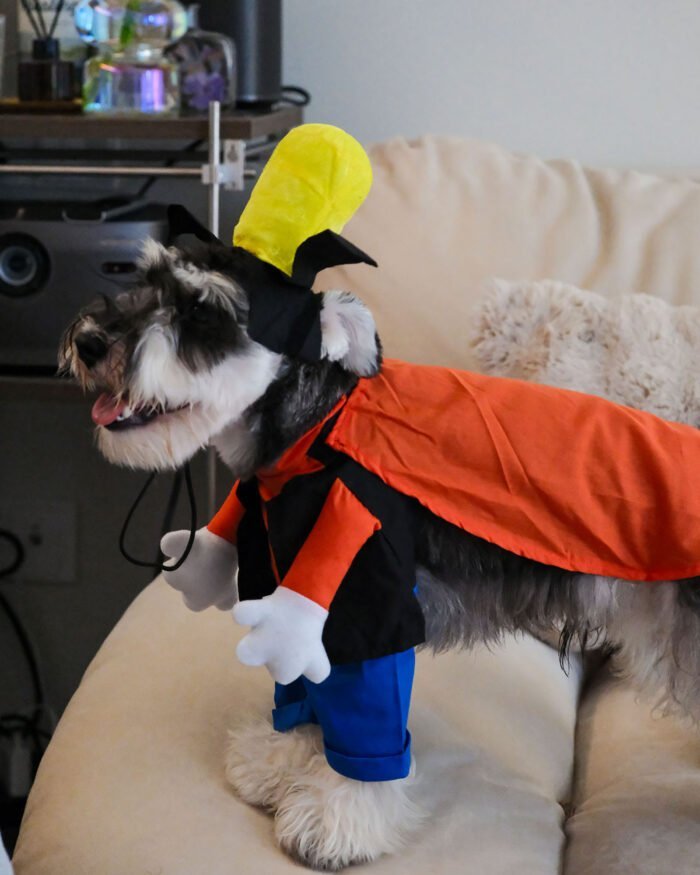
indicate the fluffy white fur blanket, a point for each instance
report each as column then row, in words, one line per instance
column 636, row 349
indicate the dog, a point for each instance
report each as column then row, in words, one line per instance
column 177, row 371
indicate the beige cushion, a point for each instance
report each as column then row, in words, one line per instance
column 133, row 781
column 637, row 793
column 446, row 214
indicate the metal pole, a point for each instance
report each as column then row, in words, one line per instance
column 94, row 170
column 214, row 193
column 214, row 165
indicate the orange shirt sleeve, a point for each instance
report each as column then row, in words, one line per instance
column 342, row 528
column 225, row 521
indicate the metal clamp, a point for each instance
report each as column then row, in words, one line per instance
column 231, row 171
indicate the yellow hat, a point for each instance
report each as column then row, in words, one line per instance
column 315, row 180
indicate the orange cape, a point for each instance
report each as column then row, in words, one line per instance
column 560, row 477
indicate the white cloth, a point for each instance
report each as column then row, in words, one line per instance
column 5, row 865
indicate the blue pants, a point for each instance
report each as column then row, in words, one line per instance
column 362, row 709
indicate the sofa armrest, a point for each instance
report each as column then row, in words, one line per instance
column 133, row 780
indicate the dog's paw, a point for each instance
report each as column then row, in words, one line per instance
column 261, row 763
column 328, row 822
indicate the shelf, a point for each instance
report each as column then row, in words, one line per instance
column 238, row 125
column 36, row 387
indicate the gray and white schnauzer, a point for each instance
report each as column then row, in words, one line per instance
column 178, row 370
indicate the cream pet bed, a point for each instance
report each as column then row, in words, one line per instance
column 133, row 781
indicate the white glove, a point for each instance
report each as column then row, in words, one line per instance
column 286, row 637
column 208, row 575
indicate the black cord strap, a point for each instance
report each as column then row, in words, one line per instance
column 31, row 724
column 296, row 95
column 28, row 650
column 19, row 553
column 193, row 525
column 167, row 524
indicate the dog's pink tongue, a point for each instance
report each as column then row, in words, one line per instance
column 106, row 409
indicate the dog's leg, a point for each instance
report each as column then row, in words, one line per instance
column 261, row 763
column 323, row 819
column 328, row 822
column 657, row 628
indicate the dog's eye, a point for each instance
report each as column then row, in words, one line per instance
column 201, row 313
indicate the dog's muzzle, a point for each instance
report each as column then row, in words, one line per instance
column 91, row 349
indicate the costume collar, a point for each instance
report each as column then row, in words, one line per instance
column 295, row 461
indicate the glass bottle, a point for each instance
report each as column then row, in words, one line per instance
column 206, row 63
column 130, row 75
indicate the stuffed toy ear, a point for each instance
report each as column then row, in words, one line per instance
column 323, row 250
column 181, row 221
column 348, row 334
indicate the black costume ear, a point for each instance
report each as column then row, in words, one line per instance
column 181, row 221
column 323, row 250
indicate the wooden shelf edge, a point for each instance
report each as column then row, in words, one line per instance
column 234, row 126
column 33, row 388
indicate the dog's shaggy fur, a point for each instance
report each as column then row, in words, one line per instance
column 176, row 351
column 321, row 818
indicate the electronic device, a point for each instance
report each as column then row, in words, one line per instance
column 256, row 28
column 54, row 259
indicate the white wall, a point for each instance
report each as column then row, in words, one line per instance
column 606, row 81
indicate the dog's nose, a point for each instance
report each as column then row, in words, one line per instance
column 91, row 349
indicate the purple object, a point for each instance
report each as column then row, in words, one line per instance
column 206, row 65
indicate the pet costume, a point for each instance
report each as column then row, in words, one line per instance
column 326, row 536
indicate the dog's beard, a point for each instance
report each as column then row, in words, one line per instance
column 164, row 443
column 192, row 406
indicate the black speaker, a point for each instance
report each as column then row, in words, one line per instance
column 54, row 259
column 256, row 28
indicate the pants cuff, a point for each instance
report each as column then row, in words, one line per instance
column 293, row 714
column 387, row 768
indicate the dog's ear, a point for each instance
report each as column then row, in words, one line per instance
column 181, row 221
column 323, row 250
column 349, row 335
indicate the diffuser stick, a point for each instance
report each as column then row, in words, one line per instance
column 40, row 14
column 59, row 9
column 30, row 15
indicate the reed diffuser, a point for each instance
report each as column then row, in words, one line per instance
column 44, row 76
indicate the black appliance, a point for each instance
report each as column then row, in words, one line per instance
column 54, row 259
column 256, row 28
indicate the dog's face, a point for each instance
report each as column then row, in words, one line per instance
column 173, row 361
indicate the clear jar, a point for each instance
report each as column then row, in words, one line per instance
column 129, row 84
column 206, row 62
column 130, row 76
